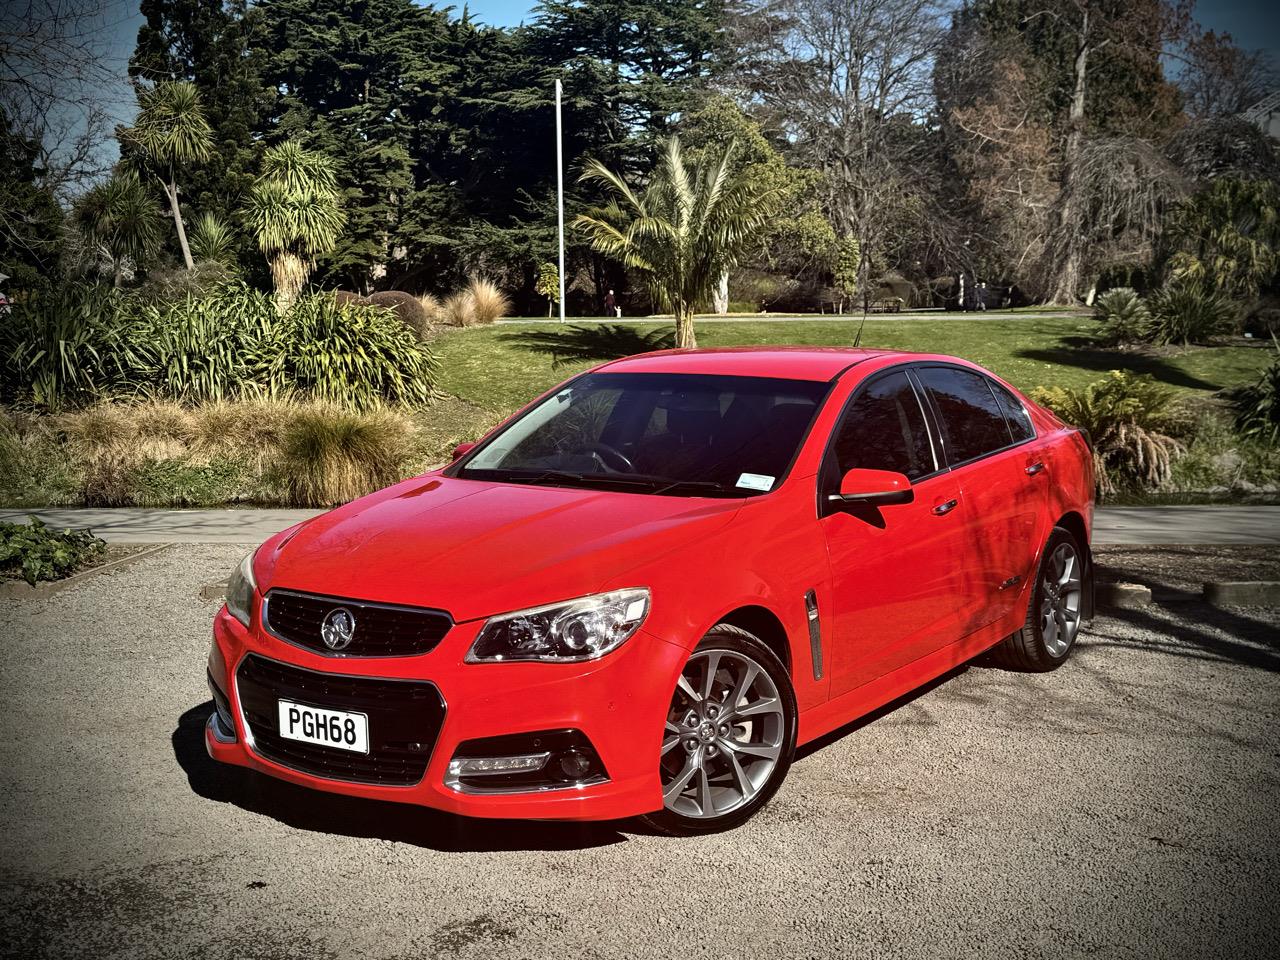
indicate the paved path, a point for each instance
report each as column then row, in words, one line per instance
column 1047, row 314
column 1115, row 525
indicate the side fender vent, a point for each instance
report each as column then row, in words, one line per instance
column 815, row 632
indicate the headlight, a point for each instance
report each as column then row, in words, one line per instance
column 240, row 590
column 566, row 632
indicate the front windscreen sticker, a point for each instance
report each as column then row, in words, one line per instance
column 755, row 481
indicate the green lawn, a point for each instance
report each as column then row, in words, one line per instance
column 500, row 367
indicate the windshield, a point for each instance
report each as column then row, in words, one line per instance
column 674, row 434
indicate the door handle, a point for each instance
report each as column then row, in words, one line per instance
column 1034, row 469
column 944, row 508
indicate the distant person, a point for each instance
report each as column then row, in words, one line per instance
column 611, row 308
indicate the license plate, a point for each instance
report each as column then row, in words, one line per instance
column 325, row 728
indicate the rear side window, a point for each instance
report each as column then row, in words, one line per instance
column 884, row 429
column 972, row 421
column 1019, row 422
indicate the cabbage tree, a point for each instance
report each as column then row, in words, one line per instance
column 295, row 214
column 171, row 132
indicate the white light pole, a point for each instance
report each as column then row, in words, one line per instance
column 560, row 195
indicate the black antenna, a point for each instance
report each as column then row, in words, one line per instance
column 862, row 282
column 858, row 339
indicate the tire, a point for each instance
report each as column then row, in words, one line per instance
column 1047, row 637
column 710, row 761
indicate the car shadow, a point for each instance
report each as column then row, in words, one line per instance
column 332, row 813
column 827, row 739
column 591, row 344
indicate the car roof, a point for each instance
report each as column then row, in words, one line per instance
column 789, row 363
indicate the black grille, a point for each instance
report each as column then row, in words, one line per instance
column 404, row 721
column 381, row 630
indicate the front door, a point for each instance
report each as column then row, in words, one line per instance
column 894, row 569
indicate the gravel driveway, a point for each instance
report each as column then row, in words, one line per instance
column 1125, row 805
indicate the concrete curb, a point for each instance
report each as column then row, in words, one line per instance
column 1123, row 596
column 1243, row 593
column 21, row 590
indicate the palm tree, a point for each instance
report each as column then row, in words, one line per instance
column 170, row 132
column 294, row 212
column 120, row 219
column 683, row 230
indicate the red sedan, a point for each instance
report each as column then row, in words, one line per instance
column 641, row 593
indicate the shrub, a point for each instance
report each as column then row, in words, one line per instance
column 1184, row 313
column 357, row 356
column 458, row 310
column 36, row 553
column 213, row 240
column 198, row 349
column 330, row 456
column 1258, row 405
column 1123, row 316
column 488, row 303
column 1130, row 420
column 408, row 308
column 349, row 298
column 209, row 278
column 63, row 347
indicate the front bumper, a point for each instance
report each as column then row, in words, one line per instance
column 618, row 702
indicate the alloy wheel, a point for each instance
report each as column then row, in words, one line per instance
column 1060, row 595
column 724, row 735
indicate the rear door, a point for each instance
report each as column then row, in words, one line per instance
column 993, row 455
column 895, row 569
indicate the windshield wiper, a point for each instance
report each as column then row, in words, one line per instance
column 563, row 476
column 709, row 485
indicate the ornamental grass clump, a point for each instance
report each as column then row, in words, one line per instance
column 1131, row 421
column 488, row 303
column 329, row 456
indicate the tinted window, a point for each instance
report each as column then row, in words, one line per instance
column 1019, row 422
column 884, row 429
column 971, row 419
column 679, row 434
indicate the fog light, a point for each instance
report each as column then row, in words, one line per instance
column 575, row 765
column 496, row 766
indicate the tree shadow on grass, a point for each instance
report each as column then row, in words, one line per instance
column 592, row 344
column 332, row 813
column 1088, row 354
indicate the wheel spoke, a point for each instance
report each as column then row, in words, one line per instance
column 740, row 689
column 1051, row 632
column 669, row 744
column 1068, row 566
column 677, row 786
column 765, row 750
column 739, row 775
column 687, row 688
column 709, row 681
column 1069, row 615
column 763, row 705
column 703, row 791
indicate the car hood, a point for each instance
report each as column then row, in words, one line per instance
column 476, row 548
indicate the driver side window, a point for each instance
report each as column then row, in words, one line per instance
column 884, row 429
